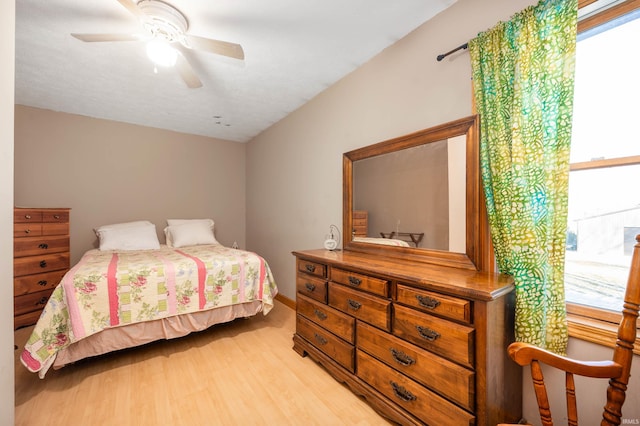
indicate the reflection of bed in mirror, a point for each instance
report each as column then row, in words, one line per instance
column 410, row 237
column 382, row 241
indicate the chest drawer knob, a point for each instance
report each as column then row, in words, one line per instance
column 43, row 283
column 402, row 358
column 27, row 216
column 309, row 286
column 402, row 393
column 56, row 216
column 353, row 304
column 42, row 301
column 321, row 340
column 27, row 231
column 310, row 268
column 355, row 281
column 43, row 263
column 321, row 315
column 43, row 246
column 427, row 333
column 427, row 302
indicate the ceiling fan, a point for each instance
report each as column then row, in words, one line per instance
column 165, row 31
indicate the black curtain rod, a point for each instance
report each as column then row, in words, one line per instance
column 444, row 55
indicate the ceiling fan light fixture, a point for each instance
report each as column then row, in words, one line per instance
column 161, row 53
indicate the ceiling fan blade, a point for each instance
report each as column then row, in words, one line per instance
column 187, row 73
column 132, row 7
column 219, row 47
column 106, row 37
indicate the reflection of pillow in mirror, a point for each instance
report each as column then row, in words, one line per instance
column 128, row 237
column 190, row 234
column 382, row 241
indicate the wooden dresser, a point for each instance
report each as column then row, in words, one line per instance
column 423, row 344
column 41, row 258
column 360, row 223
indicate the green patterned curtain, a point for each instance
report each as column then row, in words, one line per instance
column 523, row 72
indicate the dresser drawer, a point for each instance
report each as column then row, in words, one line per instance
column 313, row 268
column 27, row 215
column 455, row 341
column 428, row 406
column 439, row 304
column 37, row 282
column 34, row 246
column 30, row 302
column 445, row 377
column 336, row 348
column 27, row 230
column 315, row 288
column 40, row 264
column 340, row 324
column 24, row 320
column 361, row 282
column 55, row 216
column 368, row 308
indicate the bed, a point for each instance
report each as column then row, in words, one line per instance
column 114, row 299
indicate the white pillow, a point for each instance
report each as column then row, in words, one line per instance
column 123, row 225
column 141, row 236
column 171, row 222
column 181, row 233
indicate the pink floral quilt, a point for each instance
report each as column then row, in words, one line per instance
column 113, row 288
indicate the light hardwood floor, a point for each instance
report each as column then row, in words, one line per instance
column 241, row 373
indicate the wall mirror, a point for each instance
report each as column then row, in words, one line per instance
column 418, row 197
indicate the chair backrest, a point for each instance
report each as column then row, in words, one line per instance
column 623, row 353
column 616, row 370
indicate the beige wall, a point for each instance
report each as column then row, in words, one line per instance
column 7, row 53
column 109, row 172
column 294, row 169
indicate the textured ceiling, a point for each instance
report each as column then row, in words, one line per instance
column 293, row 51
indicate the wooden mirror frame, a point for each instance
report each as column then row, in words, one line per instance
column 478, row 255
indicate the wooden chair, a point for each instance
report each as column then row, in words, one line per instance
column 616, row 370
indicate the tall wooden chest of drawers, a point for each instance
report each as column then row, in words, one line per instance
column 41, row 258
column 423, row 344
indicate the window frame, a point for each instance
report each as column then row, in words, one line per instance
column 585, row 322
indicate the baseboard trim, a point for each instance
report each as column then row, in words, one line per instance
column 286, row 301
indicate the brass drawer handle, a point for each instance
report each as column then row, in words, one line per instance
column 321, row 340
column 427, row 333
column 354, row 281
column 402, row 393
column 43, row 263
column 320, row 314
column 27, row 231
column 427, row 302
column 353, row 304
column 309, row 286
column 43, row 283
column 42, row 301
column 27, row 216
column 310, row 268
column 43, row 246
column 56, row 216
column 402, row 358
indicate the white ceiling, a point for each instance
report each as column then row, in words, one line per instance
column 294, row 49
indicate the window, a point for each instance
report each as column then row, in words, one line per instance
column 604, row 195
